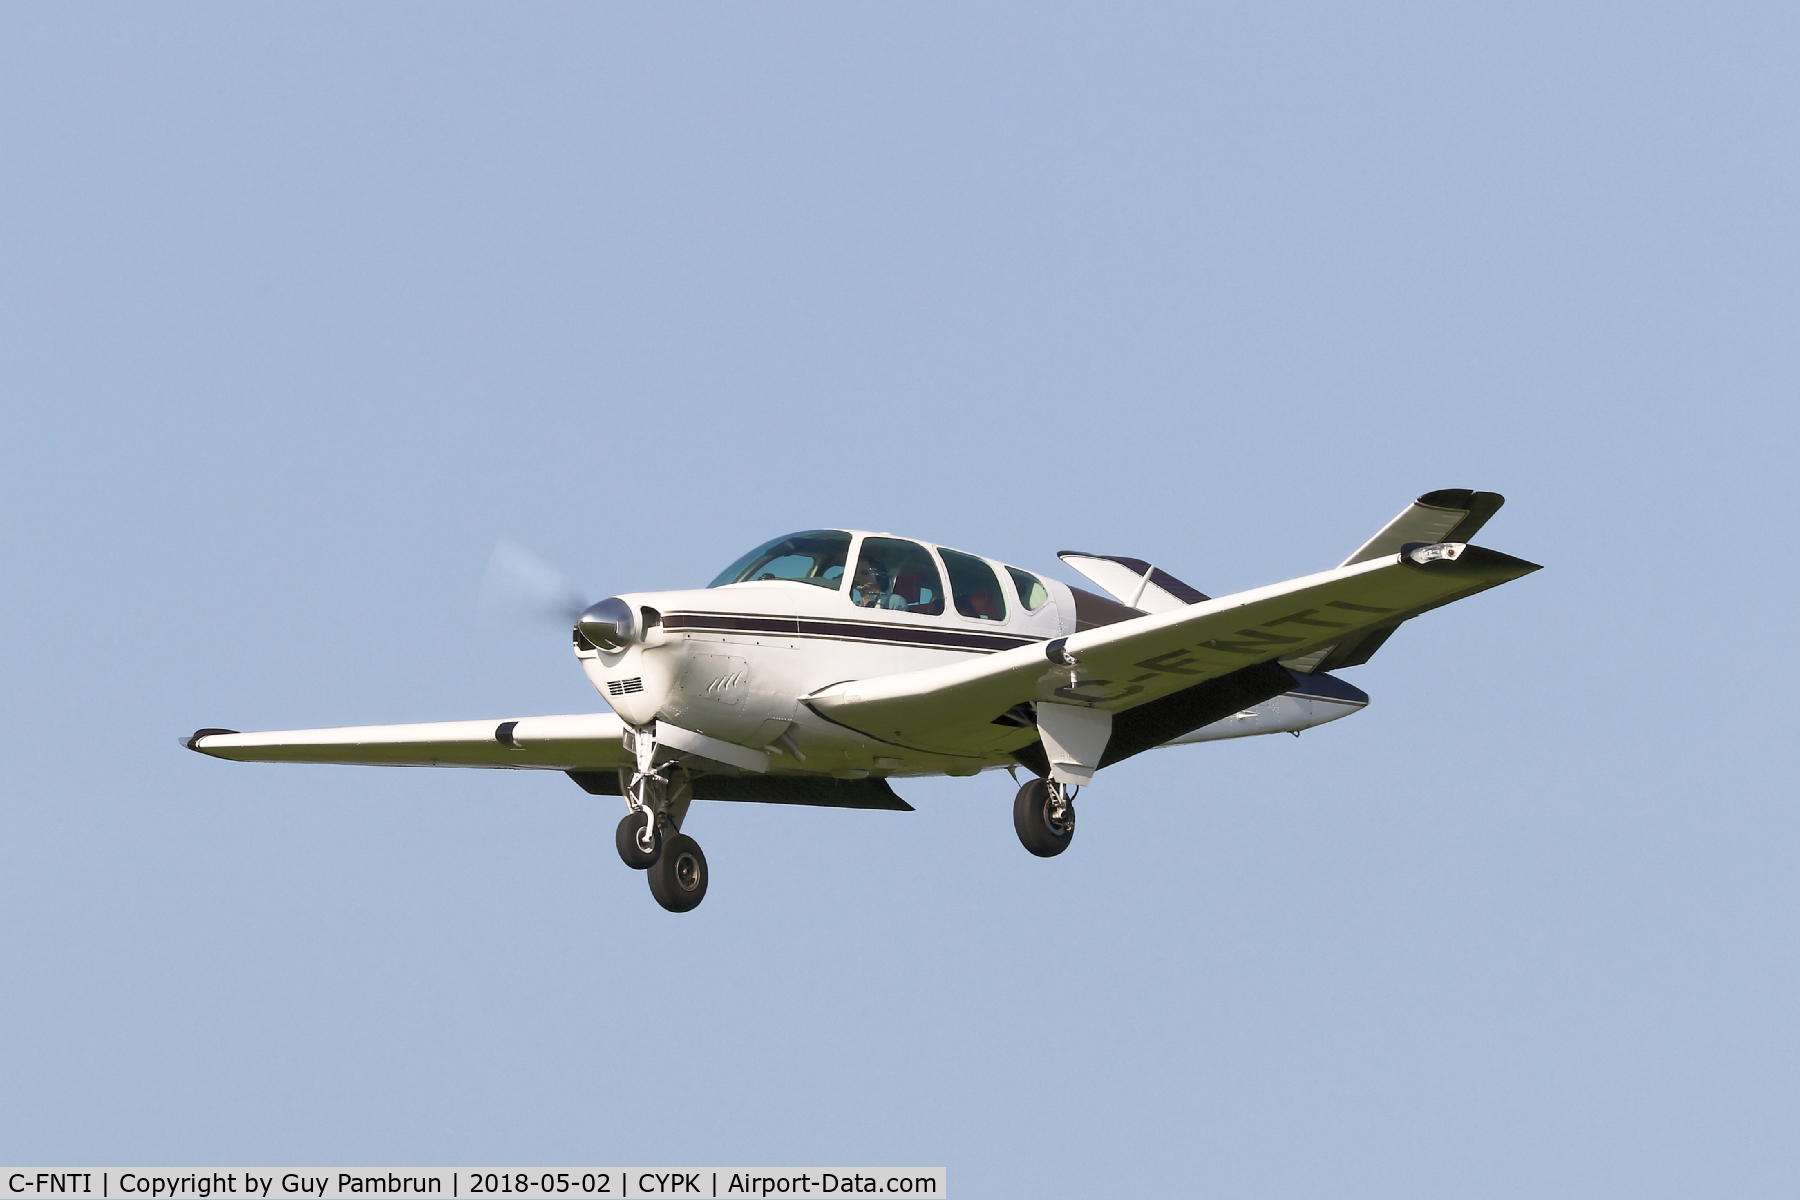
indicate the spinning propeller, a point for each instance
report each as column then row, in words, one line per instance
column 520, row 587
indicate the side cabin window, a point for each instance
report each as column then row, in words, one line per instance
column 974, row 586
column 1032, row 592
column 816, row 557
column 896, row 575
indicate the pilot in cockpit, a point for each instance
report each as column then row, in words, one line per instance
column 870, row 588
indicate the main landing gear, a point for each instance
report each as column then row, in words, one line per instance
column 1044, row 816
column 649, row 838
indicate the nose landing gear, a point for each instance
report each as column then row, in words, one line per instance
column 1044, row 817
column 649, row 837
column 673, row 864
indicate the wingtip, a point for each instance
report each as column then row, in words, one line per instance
column 191, row 741
column 1465, row 559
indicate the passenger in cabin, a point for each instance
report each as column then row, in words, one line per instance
column 896, row 574
column 870, row 588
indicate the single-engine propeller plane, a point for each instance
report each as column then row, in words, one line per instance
column 823, row 664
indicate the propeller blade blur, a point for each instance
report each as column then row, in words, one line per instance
column 520, row 586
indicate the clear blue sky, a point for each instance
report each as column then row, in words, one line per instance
column 303, row 307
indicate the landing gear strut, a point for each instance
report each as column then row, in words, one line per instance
column 1044, row 816
column 649, row 837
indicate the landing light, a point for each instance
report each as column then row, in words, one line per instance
column 1447, row 551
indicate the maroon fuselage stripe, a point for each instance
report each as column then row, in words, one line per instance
column 857, row 631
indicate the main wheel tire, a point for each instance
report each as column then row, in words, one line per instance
column 626, row 839
column 1031, row 818
column 678, row 880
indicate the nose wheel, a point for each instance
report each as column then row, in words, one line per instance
column 1044, row 816
column 636, row 850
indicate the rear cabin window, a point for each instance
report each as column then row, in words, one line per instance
column 974, row 586
column 816, row 557
column 1032, row 592
column 896, row 575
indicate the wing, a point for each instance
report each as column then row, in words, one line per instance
column 584, row 741
column 1221, row 652
column 588, row 746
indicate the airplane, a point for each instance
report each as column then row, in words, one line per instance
column 824, row 664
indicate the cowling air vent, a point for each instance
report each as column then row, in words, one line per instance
column 625, row 687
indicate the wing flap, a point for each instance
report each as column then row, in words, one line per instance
column 816, row 791
column 558, row 743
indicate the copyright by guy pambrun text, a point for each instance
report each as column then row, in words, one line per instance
column 604, row 1184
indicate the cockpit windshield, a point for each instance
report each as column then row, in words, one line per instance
column 816, row 557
